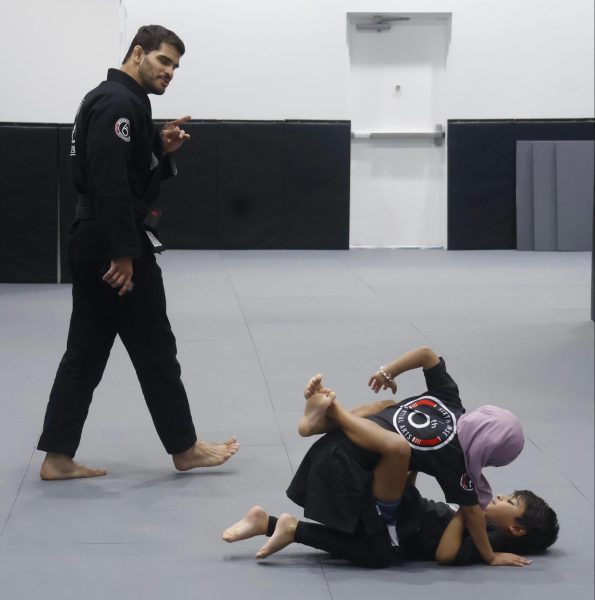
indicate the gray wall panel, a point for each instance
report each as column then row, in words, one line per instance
column 554, row 195
column 544, row 196
column 574, row 192
column 524, row 196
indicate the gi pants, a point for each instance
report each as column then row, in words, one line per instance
column 371, row 550
column 140, row 319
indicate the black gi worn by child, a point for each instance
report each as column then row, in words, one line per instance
column 333, row 482
column 420, row 524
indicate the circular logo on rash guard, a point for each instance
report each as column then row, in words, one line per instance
column 122, row 129
column 425, row 423
column 467, row 482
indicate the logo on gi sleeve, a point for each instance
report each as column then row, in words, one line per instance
column 467, row 482
column 122, row 129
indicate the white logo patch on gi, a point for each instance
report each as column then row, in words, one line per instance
column 122, row 129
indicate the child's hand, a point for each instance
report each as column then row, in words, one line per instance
column 379, row 382
column 505, row 559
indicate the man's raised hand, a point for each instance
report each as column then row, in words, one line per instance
column 173, row 136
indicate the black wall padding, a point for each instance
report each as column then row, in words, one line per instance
column 316, row 211
column 241, row 185
column 29, row 201
column 255, row 185
column 251, row 195
column 189, row 201
column 482, row 176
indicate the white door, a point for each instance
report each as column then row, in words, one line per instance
column 398, row 85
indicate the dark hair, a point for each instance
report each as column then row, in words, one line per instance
column 541, row 524
column 150, row 37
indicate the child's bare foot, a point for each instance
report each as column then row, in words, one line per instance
column 255, row 522
column 58, row 466
column 335, row 408
column 283, row 536
column 205, row 454
column 317, row 397
column 314, row 386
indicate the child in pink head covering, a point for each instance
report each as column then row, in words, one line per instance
column 435, row 437
column 490, row 437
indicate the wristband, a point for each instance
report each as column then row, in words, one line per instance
column 385, row 374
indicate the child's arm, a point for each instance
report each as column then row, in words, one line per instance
column 475, row 522
column 423, row 357
column 412, row 478
column 451, row 540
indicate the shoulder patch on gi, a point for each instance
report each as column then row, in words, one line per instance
column 122, row 129
column 467, row 482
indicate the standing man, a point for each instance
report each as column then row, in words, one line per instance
column 118, row 159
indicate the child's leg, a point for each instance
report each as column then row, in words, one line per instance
column 372, row 551
column 282, row 536
column 372, row 408
column 390, row 475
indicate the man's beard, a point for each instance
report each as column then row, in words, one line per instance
column 150, row 85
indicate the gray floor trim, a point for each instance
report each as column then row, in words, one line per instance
column 514, row 328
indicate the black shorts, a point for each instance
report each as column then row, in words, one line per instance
column 334, row 484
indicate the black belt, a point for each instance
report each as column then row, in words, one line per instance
column 84, row 211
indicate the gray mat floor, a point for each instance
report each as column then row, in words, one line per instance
column 252, row 327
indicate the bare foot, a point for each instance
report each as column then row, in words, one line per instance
column 318, row 400
column 58, row 466
column 283, row 536
column 314, row 386
column 255, row 522
column 335, row 408
column 205, row 454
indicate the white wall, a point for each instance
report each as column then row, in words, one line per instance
column 275, row 59
column 521, row 59
column 53, row 52
column 288, row 59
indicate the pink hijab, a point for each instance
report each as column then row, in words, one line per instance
column 490, row 437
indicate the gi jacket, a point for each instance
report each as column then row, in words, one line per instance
column 116, row 162
column 421, row 523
